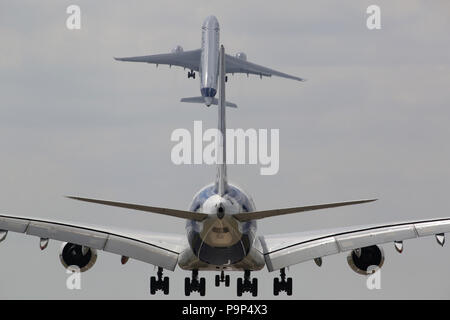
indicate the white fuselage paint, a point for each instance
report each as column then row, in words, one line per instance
column 209, row 60
column 220, row 241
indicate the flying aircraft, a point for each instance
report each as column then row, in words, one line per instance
column 221, row 235
column 206, row 62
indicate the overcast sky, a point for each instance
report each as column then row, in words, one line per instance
column 371, row 121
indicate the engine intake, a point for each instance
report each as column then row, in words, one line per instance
column 72, row 254
column 241, row 55
column 177, row 49
column 360, row 260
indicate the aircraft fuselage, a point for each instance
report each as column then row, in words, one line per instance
column 209, row 61
column 221, row 241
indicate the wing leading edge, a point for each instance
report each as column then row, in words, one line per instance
column 191, row 60
column 284, row 250
column 236, row 65
column 185, row 59
column 161, row 250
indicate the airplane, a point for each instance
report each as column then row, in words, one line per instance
column 206, row 62
column 221, row 235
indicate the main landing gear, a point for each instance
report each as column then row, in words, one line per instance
column 282, row 284
column 191, row 74
column 222, row 278
column 247, row 285
column 160, row 283
column 194, row 284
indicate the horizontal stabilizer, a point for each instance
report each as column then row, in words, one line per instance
column 247, row 216
column 189, row 215
column 202, row 100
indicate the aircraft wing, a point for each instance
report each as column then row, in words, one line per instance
column 236, row 65
column 161, row 250
column 284, row 250
column 186, row 59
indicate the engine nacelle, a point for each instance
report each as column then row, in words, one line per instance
column 241, row 55
column 364, row 260
column 82, row 257
column 177, row 49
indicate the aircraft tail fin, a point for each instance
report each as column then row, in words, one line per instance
column 202, row 100
column 221, row 179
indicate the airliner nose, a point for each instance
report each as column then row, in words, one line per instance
column 211, row 23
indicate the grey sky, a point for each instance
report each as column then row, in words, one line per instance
column 371, row 121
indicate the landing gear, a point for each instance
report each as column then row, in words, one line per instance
column 222, row 278
column 282, row 284
column 194, row 284
column 191, row 74
column 247, row 284
column 160, row 283
column 226, row 78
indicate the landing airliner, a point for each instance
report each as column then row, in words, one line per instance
column 221, row 234
column 206, row 62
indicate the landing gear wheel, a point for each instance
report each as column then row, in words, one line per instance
column 152, row 285
column 191, row 74
column 227, row 280
column 247, row 285
column 276, row 286
column 166, row 285
column 187, row 287
column 194, row 284
column 217, row 282
column 202, row 287
column 254, row 287
column 222, row 278
column 159, row 283
column 282, row 284
column 289, row 287
column 239, row 287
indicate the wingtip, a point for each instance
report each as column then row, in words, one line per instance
column 74, row 198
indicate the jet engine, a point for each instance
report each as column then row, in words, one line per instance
column 365, row 260
column 177, row 49
column 241, row 55
column 82, row 257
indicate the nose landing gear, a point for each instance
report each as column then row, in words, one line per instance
column 222, row 278
column 282, row 284
column 247, row 285
column 160, row 283
column 195, row 284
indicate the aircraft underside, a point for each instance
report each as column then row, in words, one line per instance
column 254, row 261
